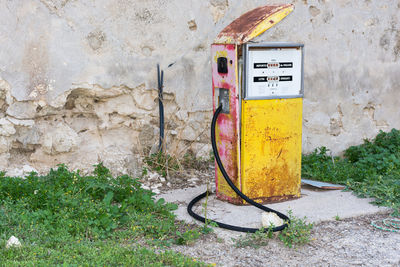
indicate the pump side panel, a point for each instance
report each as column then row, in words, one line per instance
column 271, row 149
column 227, row 124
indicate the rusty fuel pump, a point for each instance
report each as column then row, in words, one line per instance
column 256, row 130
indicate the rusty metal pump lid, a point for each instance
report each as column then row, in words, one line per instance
column 253, row 23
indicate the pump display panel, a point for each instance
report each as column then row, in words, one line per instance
column 273, row 71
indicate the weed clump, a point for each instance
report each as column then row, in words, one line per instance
column 297, row 233
column 162, row 163
column 166, row 165
column 371, row 169
column 254, row 240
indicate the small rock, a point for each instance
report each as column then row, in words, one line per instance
column 156, row 191
column 270, row 218
column 26, row 170
column 169, row 184
column 6, row 127
column 30, row 137
column 153, row 176
column 213, row 188
column 22, row 110
column 156, row 185
column 154, row 149
column 162, row 179
column 13, row 242
column 59, row 139
column 193, row 180
column 4, row 144
column 26, row 123
column 145, row 187
column 189, row 133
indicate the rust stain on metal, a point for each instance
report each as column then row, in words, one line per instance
column 243, row 28
column 276, row 199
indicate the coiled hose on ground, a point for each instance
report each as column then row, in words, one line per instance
column 237, row 191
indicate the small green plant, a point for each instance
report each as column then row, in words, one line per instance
column 187, row 237
column 220, row 240
column 209, row 224
column 211, row 157
column 208, row 227
column 337, row 218
column 297, row 233
column 205, row 205
column 255, row 240
column 145, row 171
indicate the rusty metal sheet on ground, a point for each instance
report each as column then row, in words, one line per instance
column 323, row 185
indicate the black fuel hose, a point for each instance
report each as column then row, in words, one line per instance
column 160, row 80
column 237, row 191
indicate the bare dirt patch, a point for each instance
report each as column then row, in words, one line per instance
column 348, row 242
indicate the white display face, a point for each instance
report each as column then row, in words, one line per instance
column 274, row 72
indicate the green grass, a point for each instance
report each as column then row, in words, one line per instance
column 73, row 253
column 371, row 169
column 68, row 218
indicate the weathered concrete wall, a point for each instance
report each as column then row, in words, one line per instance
column 78, row 77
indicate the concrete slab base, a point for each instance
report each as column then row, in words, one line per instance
column 315, row 205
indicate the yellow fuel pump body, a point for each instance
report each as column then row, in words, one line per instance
column 271, row 148
column 258, row 134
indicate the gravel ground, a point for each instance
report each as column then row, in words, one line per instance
column 348, row 242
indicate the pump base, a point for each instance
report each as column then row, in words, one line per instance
column 261, row 200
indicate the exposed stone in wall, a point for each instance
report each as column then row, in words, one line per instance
column 117, row 126
column 96, row 39
column 218, row 9
column 22, row 110
column 6, row 127
column 192, row 25
column 59, row 138
column 78, row 78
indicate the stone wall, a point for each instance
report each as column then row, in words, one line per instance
column 78, row 78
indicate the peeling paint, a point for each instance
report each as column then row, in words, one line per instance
column 252, row 23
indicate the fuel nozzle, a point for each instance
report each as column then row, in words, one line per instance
column 223, row 100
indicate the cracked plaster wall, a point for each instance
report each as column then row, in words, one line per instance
column 78, row 78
